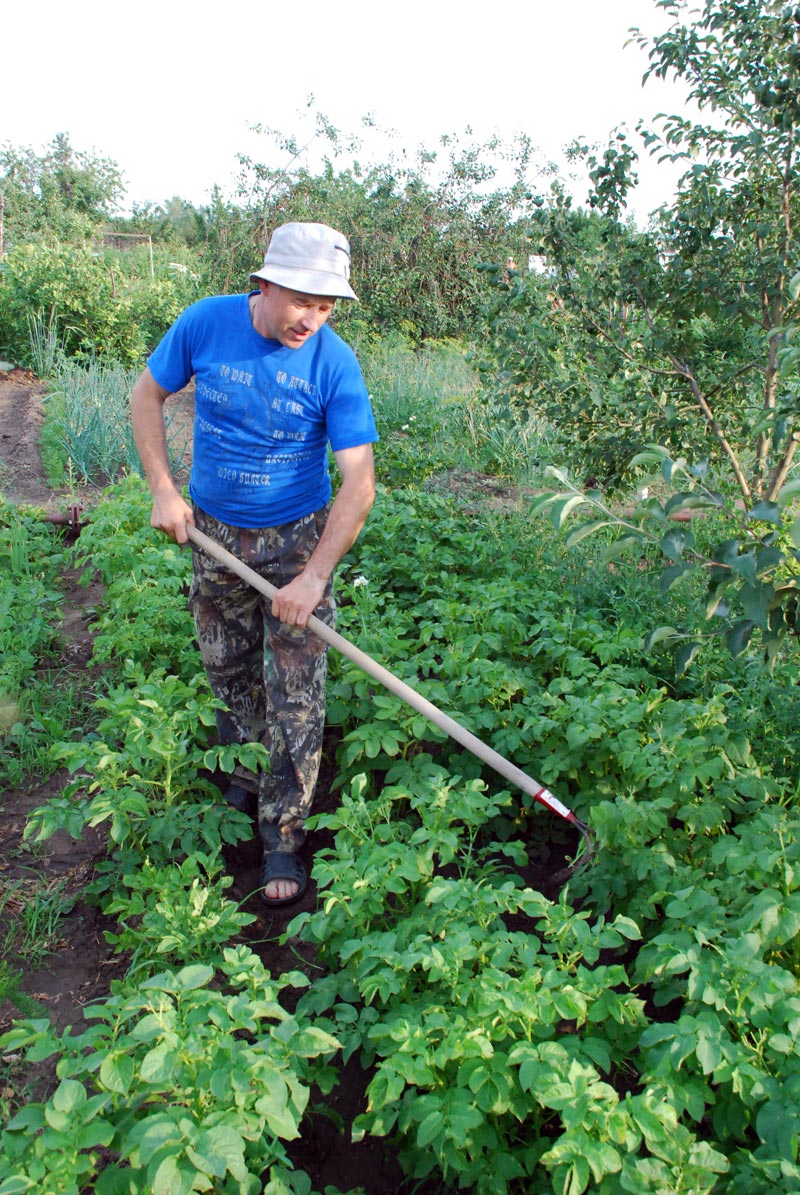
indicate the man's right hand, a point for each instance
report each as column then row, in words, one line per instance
column 170, row 514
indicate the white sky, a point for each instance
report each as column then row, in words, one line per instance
column 169, row 91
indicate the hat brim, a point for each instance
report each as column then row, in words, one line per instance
column 307, row 282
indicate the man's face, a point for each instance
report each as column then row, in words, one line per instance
column 290, row 316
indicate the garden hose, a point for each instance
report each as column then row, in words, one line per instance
column 393, row 683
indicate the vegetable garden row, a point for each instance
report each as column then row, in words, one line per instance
column 635, row 1031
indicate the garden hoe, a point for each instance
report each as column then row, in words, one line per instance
column 410, row 696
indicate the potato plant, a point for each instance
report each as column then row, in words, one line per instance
column 631, row 1031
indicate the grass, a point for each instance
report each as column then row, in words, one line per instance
column 33, row 718
column 38, row 699
column 434, row 418
column 32, row 913
column 419, row 398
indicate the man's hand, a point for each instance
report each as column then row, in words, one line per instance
column 295, row 602
column 170, row 514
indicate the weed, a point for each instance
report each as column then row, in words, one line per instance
column 34, row 913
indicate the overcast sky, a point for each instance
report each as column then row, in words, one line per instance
column 169, row 91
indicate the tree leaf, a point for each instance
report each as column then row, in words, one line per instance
column 794, row 532
column 788, row 491
column 739, row 635
column 766, row 512
column 756, row 602
column 673, row 543
column 685, row 656
column 653, row 455
column 542, row 501
column 661, row 635
column 745, row 566
column 675, row 573
column 563, row 508
column 552, row 471
column 622, row 545
column 575, row 536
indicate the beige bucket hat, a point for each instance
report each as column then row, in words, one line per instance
column 311, row 258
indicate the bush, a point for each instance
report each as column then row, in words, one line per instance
column 81, row 297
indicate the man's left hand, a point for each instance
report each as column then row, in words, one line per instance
column 297, row 601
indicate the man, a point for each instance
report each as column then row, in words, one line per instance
column 274, row 385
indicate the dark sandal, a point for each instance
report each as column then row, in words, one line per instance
column 280, row 865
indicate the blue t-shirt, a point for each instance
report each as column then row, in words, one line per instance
column 264, row 413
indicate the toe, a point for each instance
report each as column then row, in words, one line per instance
column 280, row 889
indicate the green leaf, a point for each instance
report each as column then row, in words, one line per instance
column 670, row 467
column 661, row 635
column 552, row 471
column 768, row 559
column 653, row 455
column 628, row 928
column 744, row 566
column 217, row 1150
column 429, row 1129
column 739, row 636
column 675, row 573
column 564, row 507
column 620, row 546
column 788, row 491
column 756, row 602
column 69, row 1096
column 709, row 1054
column 159, row 1064
column 186, row 980
column 116, row 1072
column 690, row 501
column 794, row 532
column 575, row 536
column 766, row 512
column 273, row 1105
column 685, row 656
column 569, row 1006
column 673, row 543
column 541, row 502
column 173, row 1179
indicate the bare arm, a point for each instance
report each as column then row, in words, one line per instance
column 297, row 600
column 170, row 511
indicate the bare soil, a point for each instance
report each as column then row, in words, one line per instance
column 81, row 965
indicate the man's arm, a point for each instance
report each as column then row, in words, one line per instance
column 170, row 511
column 296, row 601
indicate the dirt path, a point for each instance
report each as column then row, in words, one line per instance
column 22, row 478
column 81, row 965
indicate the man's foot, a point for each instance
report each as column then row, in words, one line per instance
column 283, row 878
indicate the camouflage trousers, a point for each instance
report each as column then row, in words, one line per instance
column 270, row 676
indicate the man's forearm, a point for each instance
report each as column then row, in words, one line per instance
column 297, row 600
column 170, row 512
column 347, row 516
column 149, row 433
